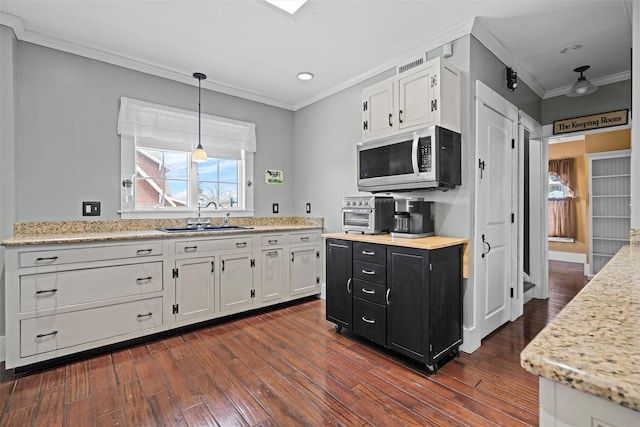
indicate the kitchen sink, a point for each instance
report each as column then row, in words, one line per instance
column 208, row 228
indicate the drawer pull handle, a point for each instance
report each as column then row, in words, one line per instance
column 241, row 245
column 371, row 253
column 369, row 272
column 144, row 251
column 50, row 334
column 149, row 314
column 47, row 259
column 272, row 253
column 304, row 239
column 387, row 297
column 368, row 291
column 48, row 291
column 366, row 319
column 141, row 280
column 273, row 242
column 190, row 248
column 349, row 285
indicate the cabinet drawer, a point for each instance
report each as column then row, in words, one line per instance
column 57, row 290
column 375, row 273
column 369, row 291
column 369, row 320
column 370, row 252
column 90, row 253
column 274, row 240
column 303, row 237
column 51, row 333
column 198, row 246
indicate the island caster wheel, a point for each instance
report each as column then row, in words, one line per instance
column 338, row 328
column 455, row 353
column 432, row 369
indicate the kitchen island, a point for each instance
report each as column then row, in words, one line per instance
column 588, row 357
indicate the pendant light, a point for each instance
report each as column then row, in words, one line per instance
column 582, row 86
column 199, row 155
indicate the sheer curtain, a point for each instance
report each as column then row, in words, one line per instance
column 562, row 216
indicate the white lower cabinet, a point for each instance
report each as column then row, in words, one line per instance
column 304, row 276
column 272, row 278
column 195, row 286
column 236, row 281
column 62, row 299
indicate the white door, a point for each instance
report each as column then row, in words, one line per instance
column 303, row 277
column 194, row 288
column 496, row 186
column 236, row 281
column 377, row 110
column 416, row 94
column 272, row 271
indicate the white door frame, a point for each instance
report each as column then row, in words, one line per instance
column 487, row 96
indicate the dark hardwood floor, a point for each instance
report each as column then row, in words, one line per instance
column 288, row 367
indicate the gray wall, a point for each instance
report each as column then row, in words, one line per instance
column 8, row 44
column 611, row 97
column 68, row 149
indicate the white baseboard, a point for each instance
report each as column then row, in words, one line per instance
column 323, row 291
column 3, row 350
column 567, row 257
column 587, row 270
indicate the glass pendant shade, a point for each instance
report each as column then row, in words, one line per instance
column 199, row 155
column 582, row 86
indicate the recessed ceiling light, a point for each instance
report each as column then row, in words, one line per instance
column 305, row 76
column 289, row 6
column 571, row 48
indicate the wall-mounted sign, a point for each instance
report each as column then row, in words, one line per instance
column 595, row 121
column 273, row 176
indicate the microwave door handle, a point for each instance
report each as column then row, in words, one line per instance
column 414, row 154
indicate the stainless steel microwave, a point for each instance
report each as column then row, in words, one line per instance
column 428, row 158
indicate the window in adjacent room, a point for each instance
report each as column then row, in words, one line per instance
column 157, row 142
column 562, row 227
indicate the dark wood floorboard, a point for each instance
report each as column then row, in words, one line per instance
column 289, row 367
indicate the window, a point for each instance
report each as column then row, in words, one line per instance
column 159, row 178
column 557, row 190
column 562, row 218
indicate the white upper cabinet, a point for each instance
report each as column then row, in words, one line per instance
column 426, row 95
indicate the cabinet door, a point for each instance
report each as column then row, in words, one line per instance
column 195, row 288
column 417, row 102
column 377, row 110
column 236, row 281
column 303, row 270
column 339, row 283
column 272, row 283
column 408, row 305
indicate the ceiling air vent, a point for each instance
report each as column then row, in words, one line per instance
column 408, row 66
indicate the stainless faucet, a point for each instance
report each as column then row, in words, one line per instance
column 198, row 222
column 226, row 219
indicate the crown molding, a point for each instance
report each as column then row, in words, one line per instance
column 182, row 76
column 601, row 81
column 446, row 37
column 486, row 37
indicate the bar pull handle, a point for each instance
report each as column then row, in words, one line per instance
column 273, row 242
column 366, row 319
column 190, row 248
column 50, row 334
column 143, row 280
column 368, row 291
column 272, row 253
column 140, row 316
column 241, row 245
column 369, row 272
column 387, row 296
column 142, row 252
column 46, row 259
column 349, row 285
column 370, row 253
column 305, row 238
column 48, row 291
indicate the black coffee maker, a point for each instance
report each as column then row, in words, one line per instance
column 413, row 218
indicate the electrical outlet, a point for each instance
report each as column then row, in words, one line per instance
column 275, row 208
column 90, row 208
column 308, row 208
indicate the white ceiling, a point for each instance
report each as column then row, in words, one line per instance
column 251, row 49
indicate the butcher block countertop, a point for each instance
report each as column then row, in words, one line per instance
column 593, row 345
column 433, row 242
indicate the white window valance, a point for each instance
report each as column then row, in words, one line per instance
column 148, row 120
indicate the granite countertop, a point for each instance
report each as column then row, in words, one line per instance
column 593, row 345
column 430, row 243
column 42, row 233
